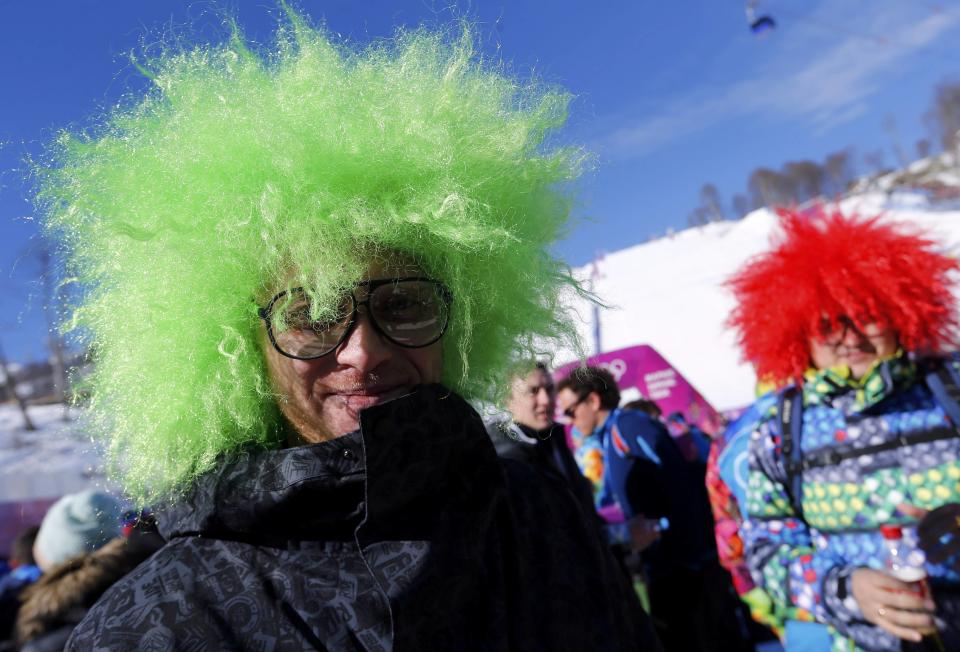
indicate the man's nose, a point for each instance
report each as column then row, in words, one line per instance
column 365, row 348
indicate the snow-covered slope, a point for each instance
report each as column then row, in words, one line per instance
column 669, row 293
column 56, row 458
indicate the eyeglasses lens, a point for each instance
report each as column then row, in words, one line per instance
column 410, row 313
column 298, row 335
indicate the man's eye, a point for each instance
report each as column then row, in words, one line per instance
column 300, row 320
column 401, row 304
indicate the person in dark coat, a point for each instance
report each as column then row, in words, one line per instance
column 61, row 598
column 24, row 572
column 532, row 436
column 309, row 271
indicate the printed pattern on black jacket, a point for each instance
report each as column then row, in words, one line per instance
column 406, row 535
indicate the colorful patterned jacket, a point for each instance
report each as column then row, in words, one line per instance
column 804, row 560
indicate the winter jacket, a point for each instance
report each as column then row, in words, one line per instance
column 804, row 560
column 408, row 534
column 636, row 466
column 727, row 473
column 59, row 600
column 545, row 449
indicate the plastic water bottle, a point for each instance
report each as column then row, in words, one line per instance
column 906, row 563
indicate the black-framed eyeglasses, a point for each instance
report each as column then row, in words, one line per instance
column 834, row 337
column 411, row 311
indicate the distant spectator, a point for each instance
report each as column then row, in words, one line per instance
column 23, row 573
column 532, row 436
column 58, row 602
column 76, row 524
column 80, row 549
column 646, row 406
column 693, row 442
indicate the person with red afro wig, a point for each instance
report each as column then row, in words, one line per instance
column 830, row 272
column 856, row 319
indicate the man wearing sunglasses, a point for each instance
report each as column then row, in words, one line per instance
column 639, row 474
column 300, row 267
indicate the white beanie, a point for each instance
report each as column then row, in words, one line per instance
column 76, row 524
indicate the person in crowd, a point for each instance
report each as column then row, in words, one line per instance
column 301, row 265
column 54, row 606
column 531, row 435
column 867, row 440
column 637, row 470
column 76, row 524
column 645, row 405
column 23, row 572
column 726, row 480
column 693, row 442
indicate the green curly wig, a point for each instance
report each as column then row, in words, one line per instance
column 187, row 207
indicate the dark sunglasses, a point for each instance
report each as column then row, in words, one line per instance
column 412, row 312
column 570, row 409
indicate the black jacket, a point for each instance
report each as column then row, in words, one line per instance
column 545, row 449
column 406, row 535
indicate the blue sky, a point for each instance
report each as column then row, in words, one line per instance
column 670, row 94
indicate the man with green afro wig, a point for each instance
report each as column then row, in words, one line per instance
column 296, row 265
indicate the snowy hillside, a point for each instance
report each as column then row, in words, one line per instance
column 668, row 293
column 56, row 458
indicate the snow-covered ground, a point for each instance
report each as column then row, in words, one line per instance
column 56, row 458
column 669, row 293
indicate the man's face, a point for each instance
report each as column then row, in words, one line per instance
column 858, row 349
column 532, row 400
column 322, row 398
column 584, row 414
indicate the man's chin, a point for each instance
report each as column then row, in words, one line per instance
column 542, row 424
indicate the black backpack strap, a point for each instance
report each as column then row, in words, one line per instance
column 942, row 380
column 790, row 415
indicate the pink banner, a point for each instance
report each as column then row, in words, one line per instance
column 641, row 371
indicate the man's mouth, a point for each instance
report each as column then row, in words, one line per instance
column 361, row 398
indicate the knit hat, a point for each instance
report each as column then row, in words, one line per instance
column 76, row 524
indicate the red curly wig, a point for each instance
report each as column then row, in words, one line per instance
column 828, row 265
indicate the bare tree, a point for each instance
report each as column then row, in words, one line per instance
column 770, row 188
column 875, row 161
column 741, row 205
column 698, row 217
column 710, row 201
column 924, row 147
column 944, row 116
column 890, row 127
column 807, row 178
column 838, row 168
column 11, row 385
column 52, row 300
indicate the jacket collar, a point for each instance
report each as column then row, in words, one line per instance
column 407, row 452
column 835, row 386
